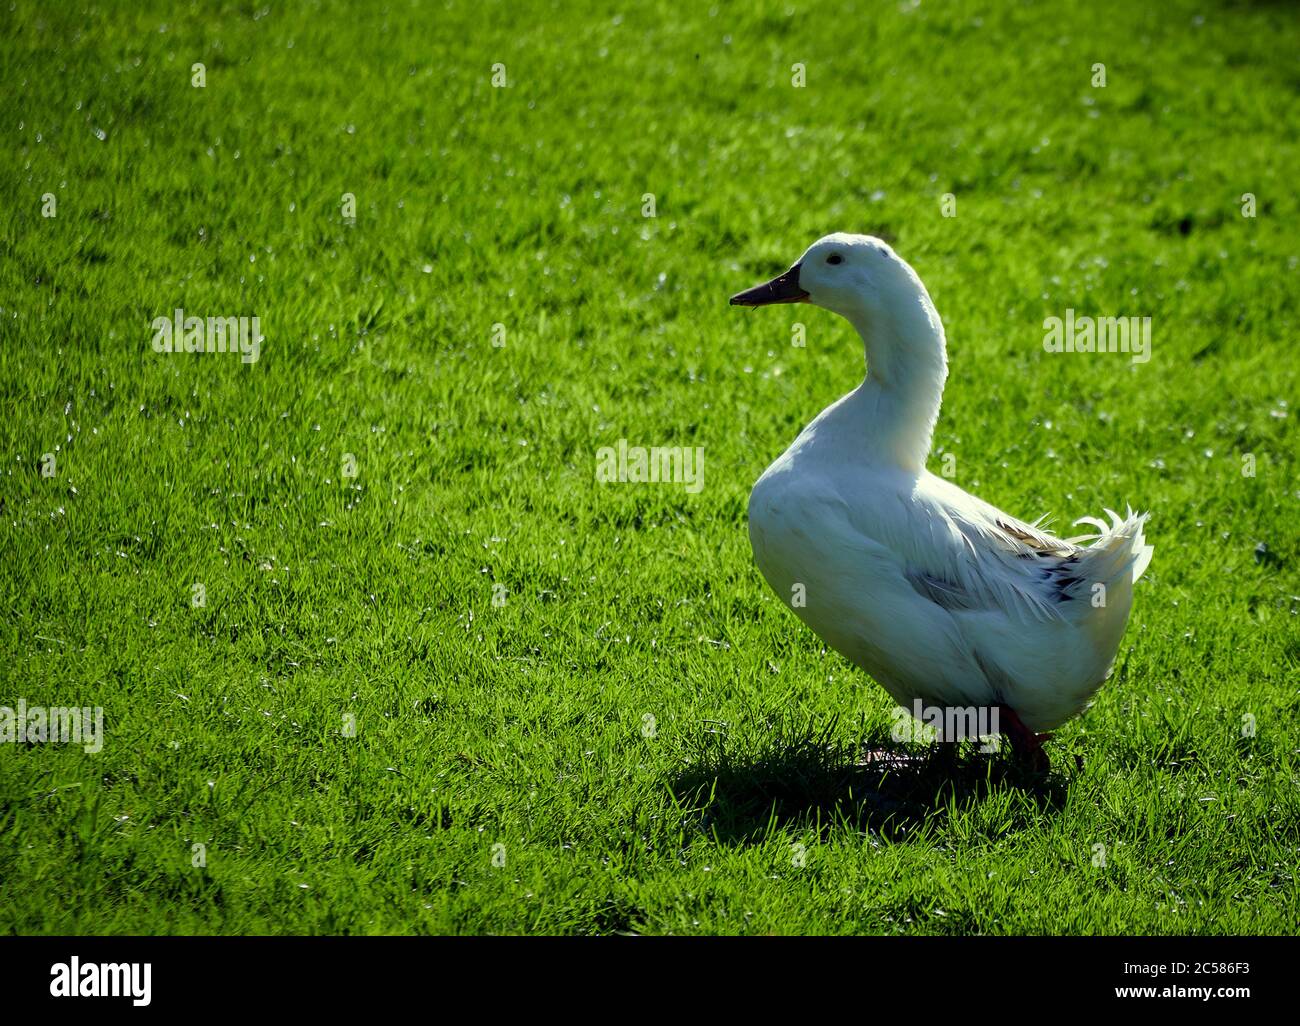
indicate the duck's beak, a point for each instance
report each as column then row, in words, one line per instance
column 782, row 289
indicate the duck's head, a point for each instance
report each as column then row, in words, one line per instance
column 860, row 278
column 856, row 276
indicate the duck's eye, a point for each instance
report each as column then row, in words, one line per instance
column 835, row 258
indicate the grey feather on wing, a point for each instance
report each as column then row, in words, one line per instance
column 942, row 593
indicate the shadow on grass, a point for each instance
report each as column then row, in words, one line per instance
column 810, row 779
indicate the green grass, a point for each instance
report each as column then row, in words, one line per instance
column 751, row 808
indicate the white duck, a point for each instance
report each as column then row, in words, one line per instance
column 938, row 595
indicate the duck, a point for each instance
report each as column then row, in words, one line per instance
column 942, row 598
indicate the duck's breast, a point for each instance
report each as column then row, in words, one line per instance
column 849, row 588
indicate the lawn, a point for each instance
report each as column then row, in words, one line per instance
column 375, row 649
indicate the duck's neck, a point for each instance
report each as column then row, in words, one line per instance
column 907, row 364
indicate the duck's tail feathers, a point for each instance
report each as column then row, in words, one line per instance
column 1118, row 552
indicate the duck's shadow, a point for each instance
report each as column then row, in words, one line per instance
column 818, row 784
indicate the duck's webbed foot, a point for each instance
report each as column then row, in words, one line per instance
column 1027, row 745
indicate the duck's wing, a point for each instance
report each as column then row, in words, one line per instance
column 961, row 553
